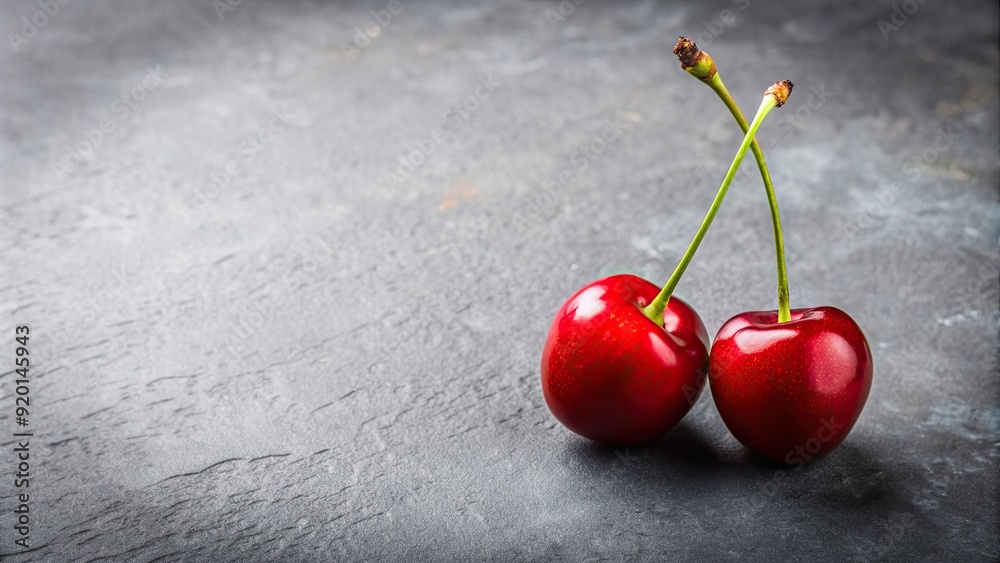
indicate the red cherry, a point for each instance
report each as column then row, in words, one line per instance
column 611, row 374
column 791, row 391
column 624, row 362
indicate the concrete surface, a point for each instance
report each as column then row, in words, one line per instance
column 315, row 361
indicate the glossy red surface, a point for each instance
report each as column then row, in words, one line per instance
column 792, row 391
column 611, row 374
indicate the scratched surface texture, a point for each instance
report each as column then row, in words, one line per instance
column 313, row 360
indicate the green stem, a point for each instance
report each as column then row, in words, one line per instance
column 784, row 311
column 655, row 309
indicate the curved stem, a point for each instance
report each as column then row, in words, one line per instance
column 655, row 309
column 784, row 310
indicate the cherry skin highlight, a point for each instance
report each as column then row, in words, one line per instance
column 791, row 391
column 611, row 374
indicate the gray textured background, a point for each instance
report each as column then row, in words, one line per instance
column 317, row 364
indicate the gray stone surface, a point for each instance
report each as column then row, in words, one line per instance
column 314, row 363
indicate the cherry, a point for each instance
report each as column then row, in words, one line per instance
column 790, row 391
column 789, row 384
column 623, row 362
column 611, row 374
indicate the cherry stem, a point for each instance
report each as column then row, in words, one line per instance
column 655, row 309
column 784, row 309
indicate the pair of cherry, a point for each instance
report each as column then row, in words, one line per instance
column 624, row 361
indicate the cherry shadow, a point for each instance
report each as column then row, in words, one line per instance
column 850, row 476
column 860, row 489
column 684, row 443
column 682, row 452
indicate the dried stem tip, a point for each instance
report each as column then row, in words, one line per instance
column 695, row 61
column 686, row 50
column 780, row 91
